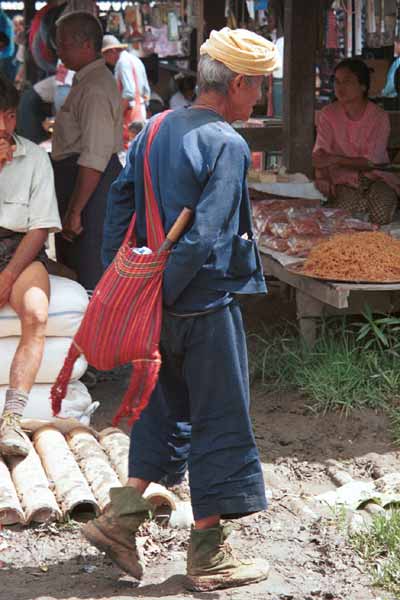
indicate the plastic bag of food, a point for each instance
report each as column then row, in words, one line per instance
column 300, row 245
column 337, row 214
column 273, row 243
column 358, row 225
column 305, row 225
column 282, row 230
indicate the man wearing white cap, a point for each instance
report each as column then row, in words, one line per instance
column 198, row 160
column 130, row 73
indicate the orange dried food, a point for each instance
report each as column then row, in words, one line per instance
column 364, row 256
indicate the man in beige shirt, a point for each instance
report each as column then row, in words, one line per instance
column 86, row 141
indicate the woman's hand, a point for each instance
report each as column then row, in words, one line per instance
column 324, row 186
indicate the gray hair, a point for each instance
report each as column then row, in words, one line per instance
column 83, row 26
column 214, row 76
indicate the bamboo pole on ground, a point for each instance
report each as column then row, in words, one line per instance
column 115, row 443
column 33, row 488
column 11, row 511
column 94, row 464
column 71, row 488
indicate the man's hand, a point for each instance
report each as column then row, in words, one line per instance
column 6, row 283
column 7, row 149
column 72, row 225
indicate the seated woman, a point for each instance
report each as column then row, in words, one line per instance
column 351, row 143
column 28, row 211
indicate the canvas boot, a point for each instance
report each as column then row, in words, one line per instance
column 211, row 563
column 13, row 440
column 115, row 530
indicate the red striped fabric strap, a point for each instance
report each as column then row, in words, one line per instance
column 154, row 229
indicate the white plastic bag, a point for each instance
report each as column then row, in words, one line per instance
column 68, row 302
column 77, row 403
column 55, row 351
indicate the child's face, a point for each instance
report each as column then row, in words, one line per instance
column 8, row 122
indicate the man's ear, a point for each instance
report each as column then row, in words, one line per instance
column 236, row 83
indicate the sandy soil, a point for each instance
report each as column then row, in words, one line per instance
column 309, row 556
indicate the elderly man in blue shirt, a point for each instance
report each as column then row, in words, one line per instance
column 198, row 160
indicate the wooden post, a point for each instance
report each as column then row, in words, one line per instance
column 200, row 25
column 301, row 36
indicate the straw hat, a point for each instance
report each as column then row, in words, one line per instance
column 110, row 42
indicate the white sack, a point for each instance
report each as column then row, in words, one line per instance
column 68, row 302
column 55, row 351
column 77, row 403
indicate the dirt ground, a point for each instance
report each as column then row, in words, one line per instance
column 309, row 556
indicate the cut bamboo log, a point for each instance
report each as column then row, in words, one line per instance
column 33, row 488
column 116, row 445
column 71, row 488
column 11, row 511
column 94, row 464
column 158, row 495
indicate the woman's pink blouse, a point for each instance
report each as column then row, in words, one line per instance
column 366, row 138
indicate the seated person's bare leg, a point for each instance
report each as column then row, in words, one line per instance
column 30, row 300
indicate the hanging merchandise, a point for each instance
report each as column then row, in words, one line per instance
column 397, row 29
column 133, row 23
column 148, row 42
column 42, row 37
column 6, row 27
column 261, row 4
column 349, row 42
column 332, row 37
column 162, row 46
column 116, row 24
column 251, row 9
column 173, row 27
column 371, row 17
column 358, row 27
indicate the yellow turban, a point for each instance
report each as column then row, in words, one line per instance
column 242, row 51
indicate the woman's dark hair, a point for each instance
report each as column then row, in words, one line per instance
column 9, row 95
column 359, row 69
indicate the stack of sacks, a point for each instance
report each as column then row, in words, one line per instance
column 68, row 302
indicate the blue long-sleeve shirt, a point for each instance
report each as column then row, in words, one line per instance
column 197, row 160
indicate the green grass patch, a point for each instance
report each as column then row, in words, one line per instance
column 341, row 372
column 379, row 546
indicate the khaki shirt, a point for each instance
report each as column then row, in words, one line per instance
column 90, row 121
column 27, row 196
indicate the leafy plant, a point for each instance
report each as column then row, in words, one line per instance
column 379, row 332
column 379, row 546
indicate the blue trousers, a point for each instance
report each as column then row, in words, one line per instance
column 204, row 381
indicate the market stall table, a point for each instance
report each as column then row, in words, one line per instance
column 316, row 298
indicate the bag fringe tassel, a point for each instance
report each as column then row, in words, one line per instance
column 59, row 388
column 137, row 396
